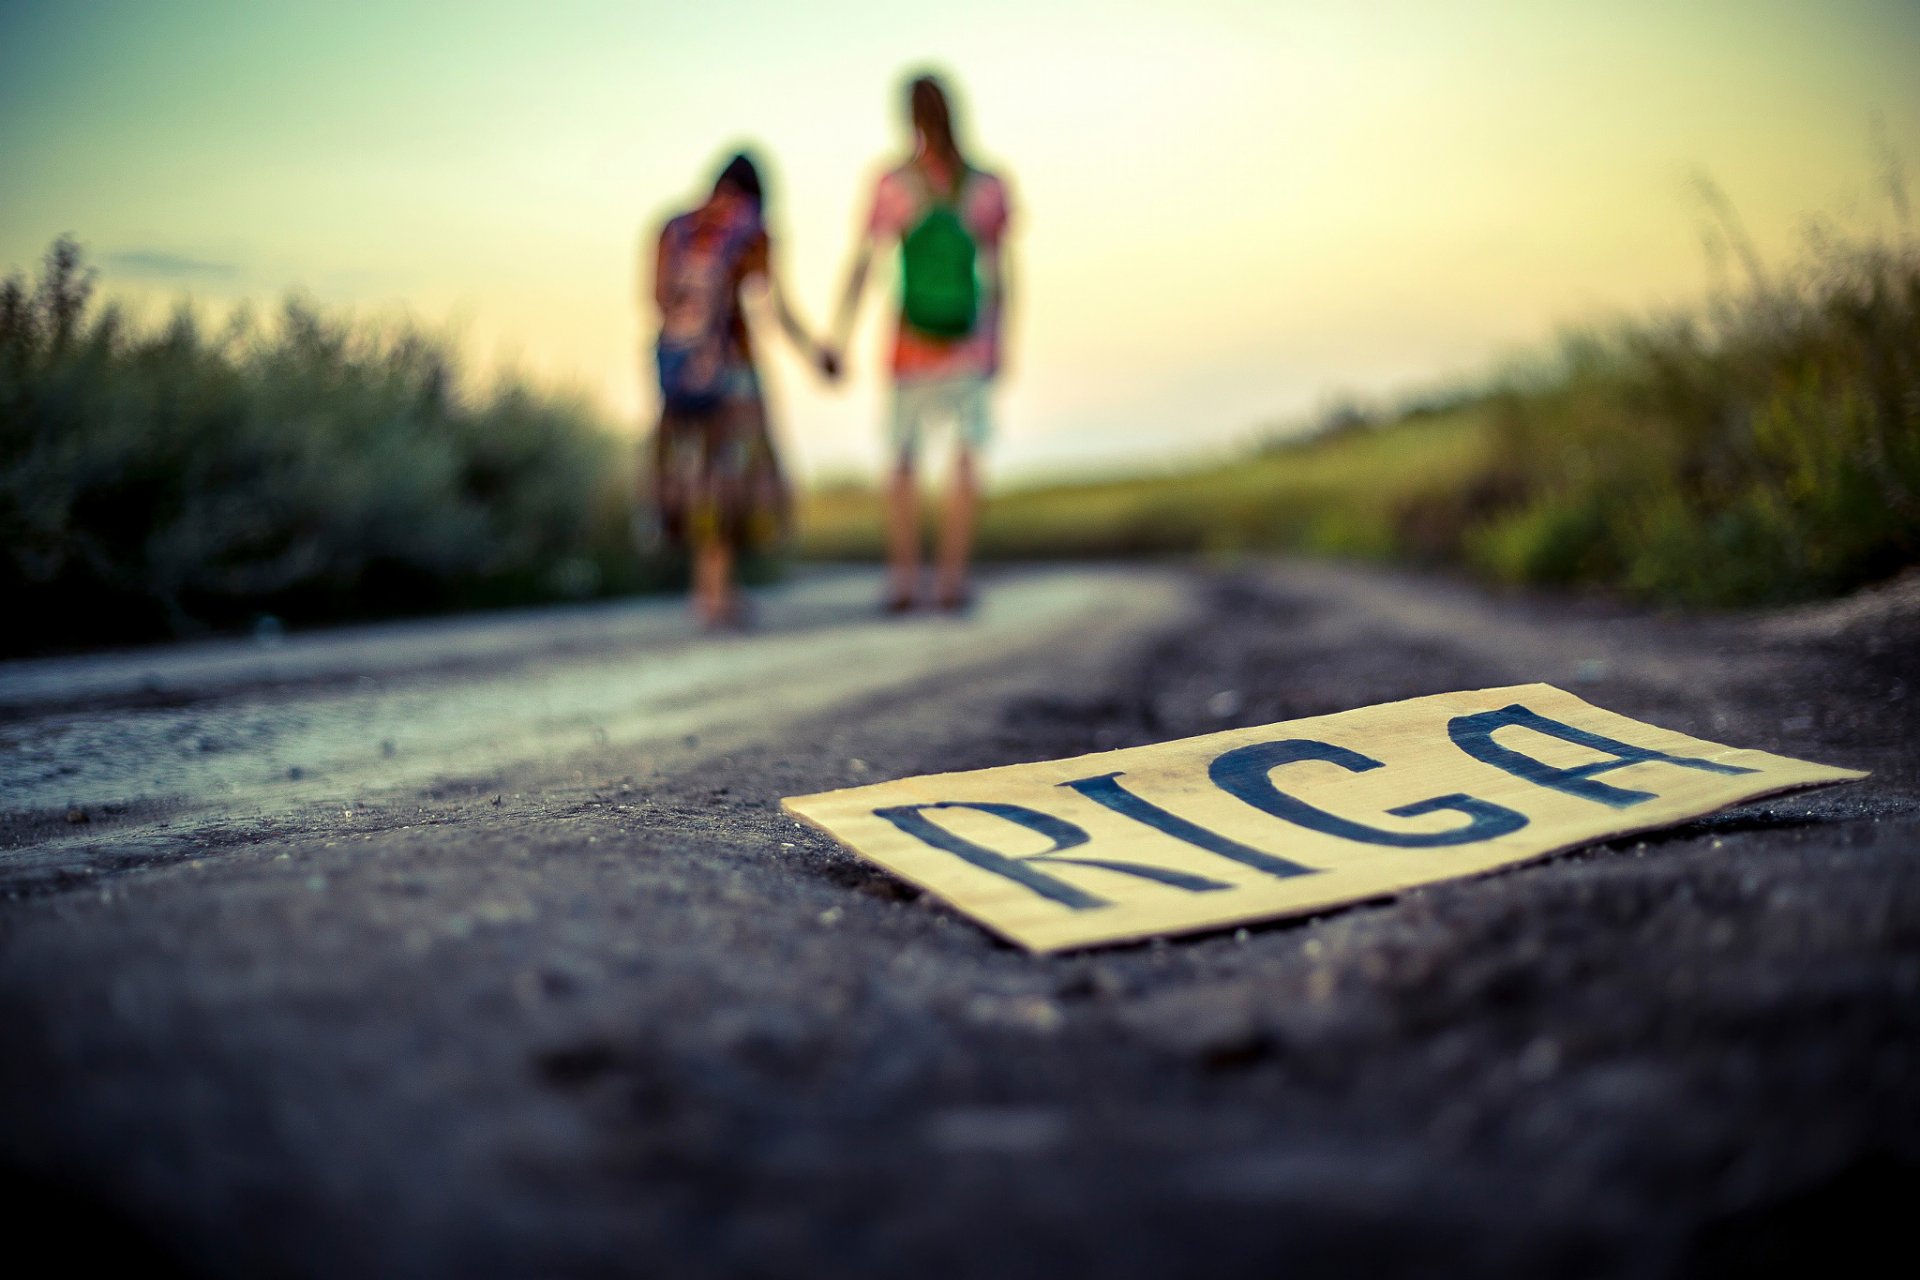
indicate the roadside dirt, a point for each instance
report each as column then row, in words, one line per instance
column 616, row 1014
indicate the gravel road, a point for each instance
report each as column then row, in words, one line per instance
column 481, row 947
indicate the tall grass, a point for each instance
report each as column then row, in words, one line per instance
column 161, row 479
column 1765, row 448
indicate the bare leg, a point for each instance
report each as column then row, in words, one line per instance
column 903, row 536
column 713, row 600
column 956, row 531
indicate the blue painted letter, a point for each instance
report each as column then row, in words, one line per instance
column 1474, row 735
column 911, row 818
column 1243, row 773
column 1106, row 790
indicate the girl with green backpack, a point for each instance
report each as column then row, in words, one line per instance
column 949, row 220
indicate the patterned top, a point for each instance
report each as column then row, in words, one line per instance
column 703, row 233
column 899, row 201
column 713, row 476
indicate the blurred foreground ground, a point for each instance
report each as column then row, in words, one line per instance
column 482, row 947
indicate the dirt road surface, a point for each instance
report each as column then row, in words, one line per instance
column 481, row 947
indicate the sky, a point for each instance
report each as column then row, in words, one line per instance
column 1228, row 216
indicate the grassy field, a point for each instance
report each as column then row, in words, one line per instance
column 1346, row 494
column 1764, row 449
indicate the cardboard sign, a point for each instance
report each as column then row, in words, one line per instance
column 1287, row 818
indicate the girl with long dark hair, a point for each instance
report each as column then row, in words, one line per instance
column 715, row 477
column 949, row 219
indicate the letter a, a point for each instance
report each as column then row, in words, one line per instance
column 1474, row 735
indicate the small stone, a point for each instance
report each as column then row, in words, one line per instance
column 1213, row 1025
column 1540, row 1060
column 527, row 989
column 831, row 916
column 1037, row 1013
column 502, row 911
column 1005, row 1130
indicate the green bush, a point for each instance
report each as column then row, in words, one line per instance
column 165, row 479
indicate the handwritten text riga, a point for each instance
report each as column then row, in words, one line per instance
column 1246, row 773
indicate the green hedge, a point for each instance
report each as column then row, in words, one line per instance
column 165, row 479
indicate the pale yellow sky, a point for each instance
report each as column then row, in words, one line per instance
column 1227, row 213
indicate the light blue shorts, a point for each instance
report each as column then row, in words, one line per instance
column 920, row 406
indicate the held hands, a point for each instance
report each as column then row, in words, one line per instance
column 829, row 361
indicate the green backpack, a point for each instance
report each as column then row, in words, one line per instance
column 939, row 290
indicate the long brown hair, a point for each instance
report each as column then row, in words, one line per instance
column 933, row 120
